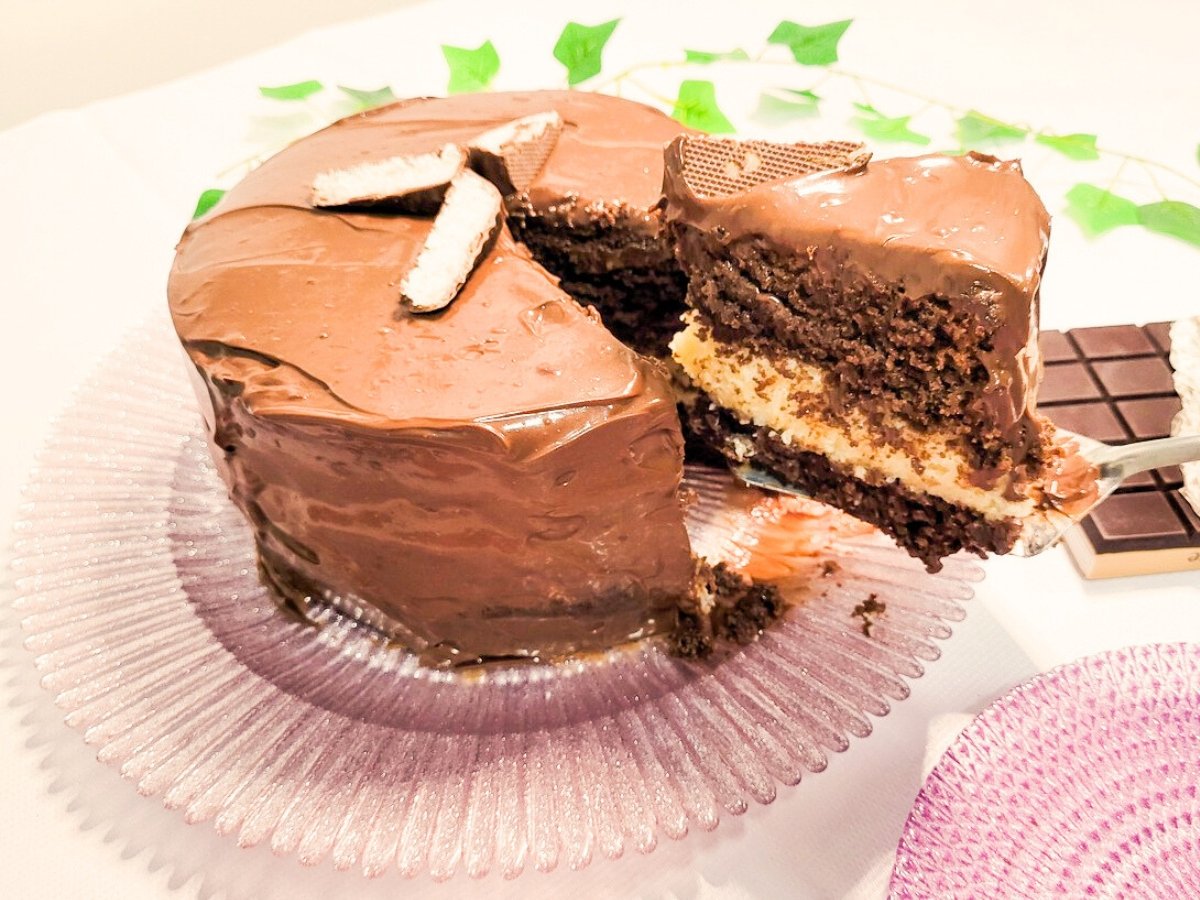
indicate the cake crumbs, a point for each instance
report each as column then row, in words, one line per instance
column 869, row 610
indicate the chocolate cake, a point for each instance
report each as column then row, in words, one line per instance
column 427, row 343
column 867, row 331
column 495, row 478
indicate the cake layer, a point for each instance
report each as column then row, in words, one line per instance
column 628, row 275
column 791, row 400
column 500, row 477
column 927, row 526
column 914, row 280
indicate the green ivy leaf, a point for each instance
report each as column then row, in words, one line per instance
column 1074, row 146
column 207, row 201
column 783, row 104
column 1096, row 210
column 975, row 129
column 704, row 56
column 815, row 45
column 368, row 99
column 886, row 129
column 471, row 70
column 580, row 47
column 1173, row 217
column 297, row 91
column 696, row 107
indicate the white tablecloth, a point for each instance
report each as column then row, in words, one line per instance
column 94, row 199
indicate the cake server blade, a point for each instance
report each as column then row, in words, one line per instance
column 1044, row 528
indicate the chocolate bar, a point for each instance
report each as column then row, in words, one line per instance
column 1115, row 384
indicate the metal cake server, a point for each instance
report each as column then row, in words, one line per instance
column 1043, row 529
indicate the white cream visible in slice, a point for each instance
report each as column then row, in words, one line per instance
column 762, row 392
column 464, row 226
column 417, row 182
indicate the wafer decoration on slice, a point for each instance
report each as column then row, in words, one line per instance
column 717, row 167
column 463, row 229
column 407, row 183
column 513, row 154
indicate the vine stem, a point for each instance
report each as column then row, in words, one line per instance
column 859, row 79
column 1149, row 164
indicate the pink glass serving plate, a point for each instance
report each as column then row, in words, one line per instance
column 138, row 595
column 1081, row 783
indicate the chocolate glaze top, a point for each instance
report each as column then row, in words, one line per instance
column 264, row 276
column 608, row 156
column 969, row 228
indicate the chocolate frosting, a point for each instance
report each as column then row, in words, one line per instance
column 500, row 478
column 970, row 229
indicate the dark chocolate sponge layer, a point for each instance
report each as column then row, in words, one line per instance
column 627, row 272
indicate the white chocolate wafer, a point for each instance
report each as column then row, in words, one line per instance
column 413, row 183
column 464, row 227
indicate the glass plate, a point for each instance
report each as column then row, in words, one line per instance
column 139, row 598
column 1082, row 782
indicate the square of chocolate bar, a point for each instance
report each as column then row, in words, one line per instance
column 1098, row 420
column 1115, row 384
column 1150, row 417
column 1138, row 520
column 1137, row 376
column 1056, row 347
column 1067, row 381
column 1113, row 342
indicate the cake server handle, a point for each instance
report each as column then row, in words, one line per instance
column 1129, row 459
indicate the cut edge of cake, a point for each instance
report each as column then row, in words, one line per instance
column 813, row 362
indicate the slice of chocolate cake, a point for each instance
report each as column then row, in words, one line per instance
column 867, row 331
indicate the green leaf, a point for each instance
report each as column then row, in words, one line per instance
column 1173, row 217
column 815, row 45
column 704, row 56
column 975, row 129
column 806, row 94
column 887, row 129
column 471, row 70
column 207, row 201
column 297, row 91
column 696, row 107
column 1074, row 146
column 579, row 48
column 368, row 99
column 1096, row 210
column 783, row 104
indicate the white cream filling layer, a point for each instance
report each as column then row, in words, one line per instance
column 764, row 393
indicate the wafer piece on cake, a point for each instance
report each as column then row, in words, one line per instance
column 412, row 183
column 867, row 331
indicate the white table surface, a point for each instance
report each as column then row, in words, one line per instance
column 94, row 200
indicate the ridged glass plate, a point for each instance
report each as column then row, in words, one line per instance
column 1081, row 783
column 139, row 598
